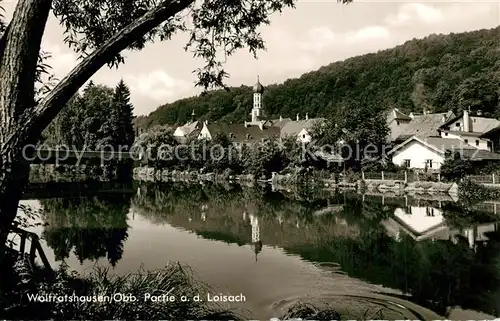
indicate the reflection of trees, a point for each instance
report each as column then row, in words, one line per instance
column 281, row 219
column 92, row 227
column 437, row 274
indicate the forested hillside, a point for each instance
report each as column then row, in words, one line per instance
column 439, row 73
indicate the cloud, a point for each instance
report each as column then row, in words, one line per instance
column 318, row 39
column 158, row 85
column 411, row 13
column 61, row 62
column 369, row 33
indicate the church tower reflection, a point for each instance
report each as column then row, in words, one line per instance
column 256, row 241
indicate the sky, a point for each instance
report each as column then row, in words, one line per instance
column 299, row 40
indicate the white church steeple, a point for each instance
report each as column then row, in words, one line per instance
column 258, row 89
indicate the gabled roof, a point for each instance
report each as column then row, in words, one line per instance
column 240, row 134
column 395, row 224
column 494, row 132
column 293, row 128
column 438, row 144
column 422, row 125
column 190, row 127
column 395, row 114
column 478, row 124
column 443, row 145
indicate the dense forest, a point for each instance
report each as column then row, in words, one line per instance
column 437, row 73
column 101, row 117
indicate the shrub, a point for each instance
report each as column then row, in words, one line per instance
column 175, row 280
column 473, row 192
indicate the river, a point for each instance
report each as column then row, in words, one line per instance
column 367, row 257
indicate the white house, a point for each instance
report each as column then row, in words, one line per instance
column 430, row 152
column 302, row 129
column 396, row 121
column 470, row 129
column 190, row 129
column 423, row 153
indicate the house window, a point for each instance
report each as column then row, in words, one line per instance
column 429, row 211
column 408, row 210
column 428, row 163
column 397, row 122
column 446, row 134
column 466, row 141
column 304, row 136
column 407, row 163
column 457, row 124
column 477, row 142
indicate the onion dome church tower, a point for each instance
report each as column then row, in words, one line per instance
column 257, row 111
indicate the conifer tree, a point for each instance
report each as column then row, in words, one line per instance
column 122, row 116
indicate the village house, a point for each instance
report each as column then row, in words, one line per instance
column 259, row 128
column 403, row 127
column 423, row 142
column 428, row 223
column 301, row 129
column 429, row 153
column 189, row 130
column 395, row 121
column 255, row 130
column 471, row 130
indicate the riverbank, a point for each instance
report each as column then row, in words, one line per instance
column 328, row 180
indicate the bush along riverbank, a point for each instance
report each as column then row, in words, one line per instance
column 472, row 192
column 300, row 176
column 41, row 294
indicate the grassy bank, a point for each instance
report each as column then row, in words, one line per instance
column 174, row 280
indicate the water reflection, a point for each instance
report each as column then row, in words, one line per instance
column 91, row 227
column 441, row 254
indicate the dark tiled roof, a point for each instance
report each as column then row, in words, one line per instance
column 423, row 125
column 293, row 128
column 278, row 123
column 492, row 133
column 240, row 134
column 477, row 124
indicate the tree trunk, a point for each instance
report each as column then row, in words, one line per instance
column 18, row 63
column 21, row 122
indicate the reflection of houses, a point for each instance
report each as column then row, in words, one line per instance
column 480, row 233
column 427, row 223
column 418, row 222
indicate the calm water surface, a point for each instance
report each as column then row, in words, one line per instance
column 404, row 257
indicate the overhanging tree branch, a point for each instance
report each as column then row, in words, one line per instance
column 50, row 106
